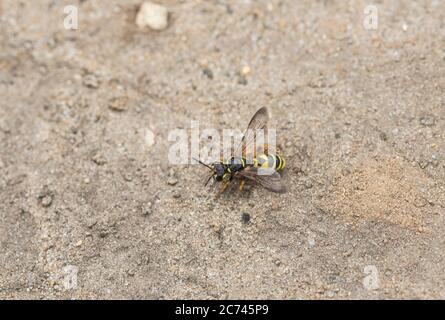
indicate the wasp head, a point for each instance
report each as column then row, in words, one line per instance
column 219, row 170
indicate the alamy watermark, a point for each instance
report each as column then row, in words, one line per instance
column 71, row 21
column 371, row 281
column 371, row 19
column 70, row 277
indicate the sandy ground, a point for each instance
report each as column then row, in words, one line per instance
column 89, row 205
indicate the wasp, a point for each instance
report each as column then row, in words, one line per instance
column 259, row 166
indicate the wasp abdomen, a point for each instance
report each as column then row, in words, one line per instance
column 271, row 161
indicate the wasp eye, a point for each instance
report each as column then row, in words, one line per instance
column 219, row 178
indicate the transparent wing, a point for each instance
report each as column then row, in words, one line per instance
column 248, row 145
column 272, row 181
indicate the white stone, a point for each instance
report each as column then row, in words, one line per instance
column 152, row 15
column 149, row 137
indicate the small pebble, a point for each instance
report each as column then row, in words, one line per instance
column 245, row 70
column 245, row 217
column 172, row 181
column 311, row 240
column 103, row 233
column 427, row 121
column 46, row 201
column 91, row 222
column 118, row 104
column 98, row 159
column 147, row 209
column 423, row 164
column 242, row 80
column 208, row 73
column 127, row 177
column 152, row 15
column 275, row 206
column 149, row 137
column 383, row 136
column 91, row 81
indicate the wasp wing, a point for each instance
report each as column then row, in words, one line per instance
column 271, row 181
column 257, row 123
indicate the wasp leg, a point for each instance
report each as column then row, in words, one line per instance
column 225, row 184
column 241, row 185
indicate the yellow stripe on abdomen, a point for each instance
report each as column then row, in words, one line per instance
column 282, row 163
column 270, row 161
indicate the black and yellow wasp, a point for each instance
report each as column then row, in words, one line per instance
column 259, row 166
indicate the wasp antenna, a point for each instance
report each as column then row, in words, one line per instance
column 200, row 162
column 205, row 184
